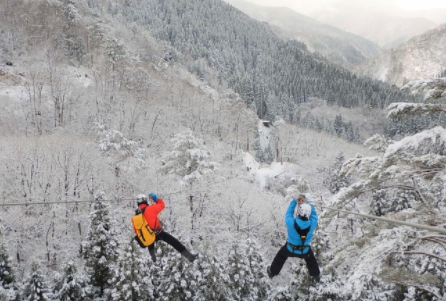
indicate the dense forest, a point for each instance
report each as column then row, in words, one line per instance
column 269, row 73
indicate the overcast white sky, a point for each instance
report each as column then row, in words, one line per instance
column 309, row 6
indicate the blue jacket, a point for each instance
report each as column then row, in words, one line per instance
column 293, row 236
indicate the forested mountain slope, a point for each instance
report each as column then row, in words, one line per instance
column 336, row 45
column 95, row 110
column 272, row 74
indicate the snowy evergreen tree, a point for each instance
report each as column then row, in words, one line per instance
column 172, row 276
column 259, row 281
column 100, row 247
column 263, row 155
column 245, row 273
column 334, row 180
column 72, row 285
column 189, row 159
column 7, row 276
column 8, row 282
column 379, row 203
column 338, row 125
column 331, row 288
column 35, row 286
column 113, row 142
column 378, row 143
column 132, row 276
column 403, row 182
column 236, row 274
column 208, row 279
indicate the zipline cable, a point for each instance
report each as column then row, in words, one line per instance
column 419, row 226
column 87, row 201
column 430, row 228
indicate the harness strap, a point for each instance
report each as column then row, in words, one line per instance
column 298, row 248
column 303, row 235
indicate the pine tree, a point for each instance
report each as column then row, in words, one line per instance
column 72, row 285
column 259, row 281
column 189, row 159
column 173, row 278
column 8, row 284
column 246, row 278
column 338, row 125
column 263, row 155
column 131, row 279
column 208, row 279
column 7, row 276
column 100, row 247
column 35, row 286
column 379, row 204
column 335, row 180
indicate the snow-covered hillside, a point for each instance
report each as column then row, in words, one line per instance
column 421, row 58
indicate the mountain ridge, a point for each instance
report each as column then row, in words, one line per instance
column 338, row 46
column 420, row 58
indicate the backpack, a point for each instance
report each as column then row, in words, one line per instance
column 145, row 236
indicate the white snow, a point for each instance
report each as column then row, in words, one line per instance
column 261, row 174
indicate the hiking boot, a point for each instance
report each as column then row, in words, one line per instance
column 268, row 270
column 152, row 254
column 189, row 256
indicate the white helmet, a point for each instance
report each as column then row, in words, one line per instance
column 305, row 210
column 141, row 199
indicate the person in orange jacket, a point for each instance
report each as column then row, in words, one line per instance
column 151, row 212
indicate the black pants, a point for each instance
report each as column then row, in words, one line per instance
column 283, row 255
column 166, row 237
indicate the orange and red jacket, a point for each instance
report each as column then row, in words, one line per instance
column 151, row 214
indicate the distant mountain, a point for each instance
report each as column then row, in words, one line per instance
column 386, row 30
column 336, row 45
column 437, row 15
column 422, row 57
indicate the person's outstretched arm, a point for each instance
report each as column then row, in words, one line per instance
column 289, row 215
column 159, row 204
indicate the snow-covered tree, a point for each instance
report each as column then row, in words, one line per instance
column 189, row 159
column 377, row 142
column 245, row 274
column 208, row 284
column 172, row 276
column 263, row 155
column 72, row 285
column 8, row 282
column 35, row 286
column 132, row 276
column 113, row 142
column 259, row 281
column 334, row 180
column 100, row 246
column 403, row 183
column 7, row 276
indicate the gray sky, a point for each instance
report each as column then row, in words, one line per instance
column 389, row 6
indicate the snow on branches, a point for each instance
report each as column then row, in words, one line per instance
column 113, row 142
column 402, row 108
column 188, row 159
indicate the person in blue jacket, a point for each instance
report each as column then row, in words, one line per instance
column 300, row 232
